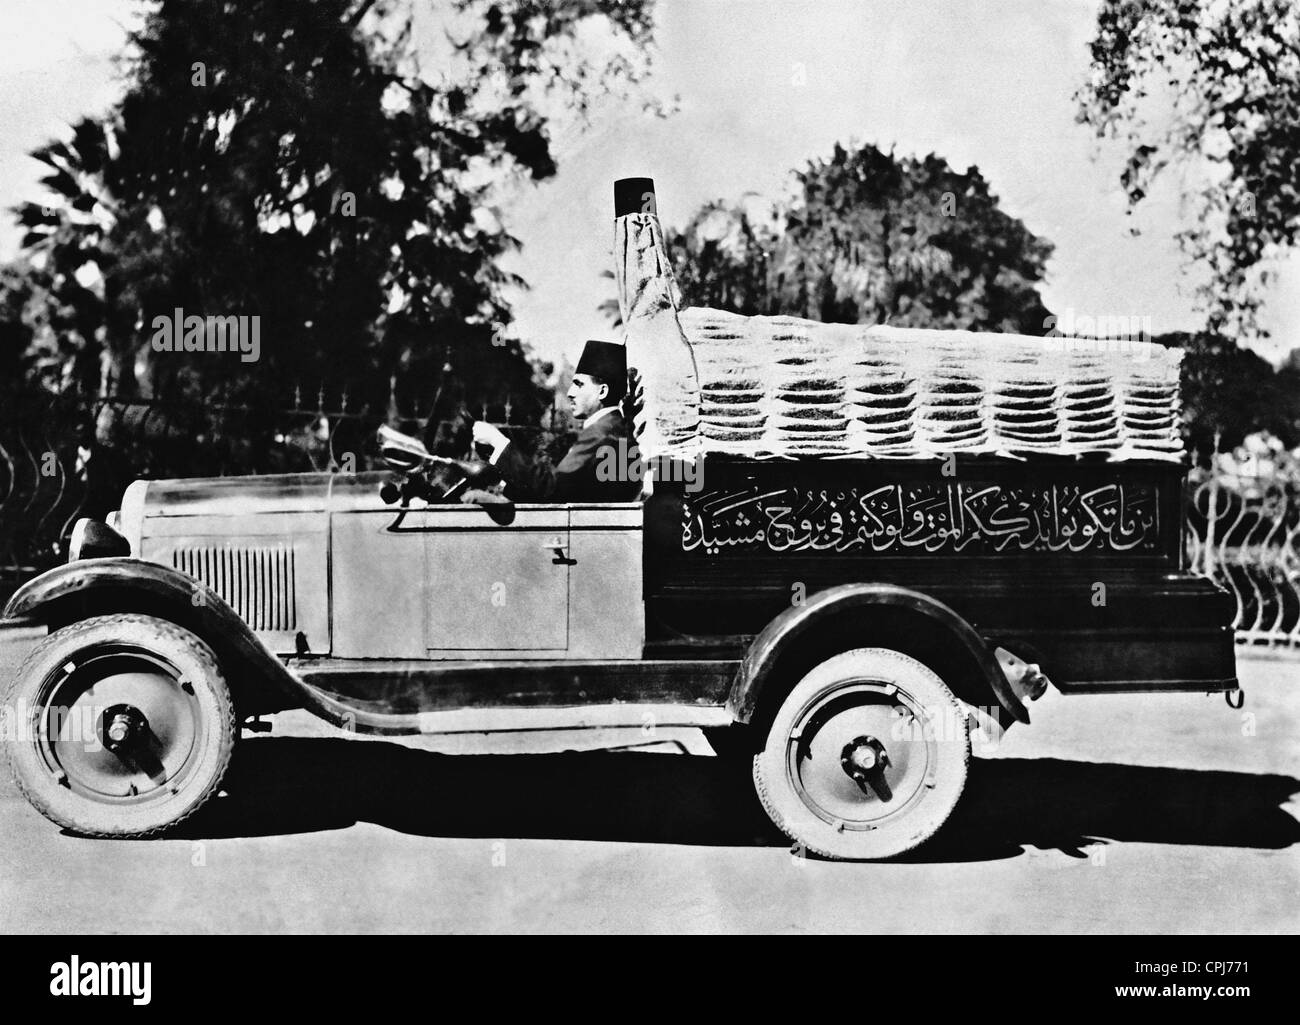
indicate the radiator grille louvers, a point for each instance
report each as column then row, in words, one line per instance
column 258, row 583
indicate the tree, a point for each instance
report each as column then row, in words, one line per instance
column 1229, row 392
column 723, row 260
column 1227, row 78
column 15, row 333
column 88, row 258
column 870, row 238
column 289, row 159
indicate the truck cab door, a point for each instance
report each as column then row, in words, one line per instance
column 496, row 590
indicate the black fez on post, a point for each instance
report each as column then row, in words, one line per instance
column 607, row 361
column 634, row 196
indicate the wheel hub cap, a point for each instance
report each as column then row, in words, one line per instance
column 845, row 772
column 862, row 757
column 123, row 726
column 120, row 726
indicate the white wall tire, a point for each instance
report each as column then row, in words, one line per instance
column 866, row 757
column 122, row 726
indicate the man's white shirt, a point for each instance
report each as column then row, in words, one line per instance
column 597, row 415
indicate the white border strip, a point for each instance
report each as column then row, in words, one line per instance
column 583, row 717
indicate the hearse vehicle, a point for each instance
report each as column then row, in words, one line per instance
column 854, row 545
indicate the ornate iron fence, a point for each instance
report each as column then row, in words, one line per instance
column 1244, row 532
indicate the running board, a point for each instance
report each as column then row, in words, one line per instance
column 428, row 696
column 521, row 719
column 586, row 717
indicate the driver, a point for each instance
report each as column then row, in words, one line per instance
column 599, row 384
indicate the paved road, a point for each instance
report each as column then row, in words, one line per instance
column 1120, row 813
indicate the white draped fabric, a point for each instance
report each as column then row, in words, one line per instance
column 775, row 387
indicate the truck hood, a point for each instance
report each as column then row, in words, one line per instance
column 284, row 492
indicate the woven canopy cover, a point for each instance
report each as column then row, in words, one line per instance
column 778, row 387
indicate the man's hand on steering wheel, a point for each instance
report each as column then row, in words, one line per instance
column 484, row 496
column 489, row 436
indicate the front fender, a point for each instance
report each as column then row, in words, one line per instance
column 37, row 598
column 93, row 587
column 780, row 635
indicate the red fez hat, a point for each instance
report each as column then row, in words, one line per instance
column 606, row 360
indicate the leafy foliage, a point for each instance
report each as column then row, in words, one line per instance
column 291, row 159
column 1213, row 88
column 870, row 238
column 1230, row 393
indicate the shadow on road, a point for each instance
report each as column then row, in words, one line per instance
column 297, row 785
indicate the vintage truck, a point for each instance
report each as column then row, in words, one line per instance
column 885, row 539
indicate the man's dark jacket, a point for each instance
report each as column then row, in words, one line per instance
column 575, row 479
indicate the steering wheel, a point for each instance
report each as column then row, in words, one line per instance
column 416, row 485
column 451, row 489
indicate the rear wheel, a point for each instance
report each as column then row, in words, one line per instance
column 866, row 757
column 125, row 726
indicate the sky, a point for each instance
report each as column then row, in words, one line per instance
column 763, row 87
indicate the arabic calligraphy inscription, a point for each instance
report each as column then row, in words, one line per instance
column 932, row 517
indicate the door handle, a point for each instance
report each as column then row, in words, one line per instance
column 562, row 557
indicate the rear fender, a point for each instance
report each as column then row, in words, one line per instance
column 785, row 643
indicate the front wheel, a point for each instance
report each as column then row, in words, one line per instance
column 125, row 726
column 866, row 757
